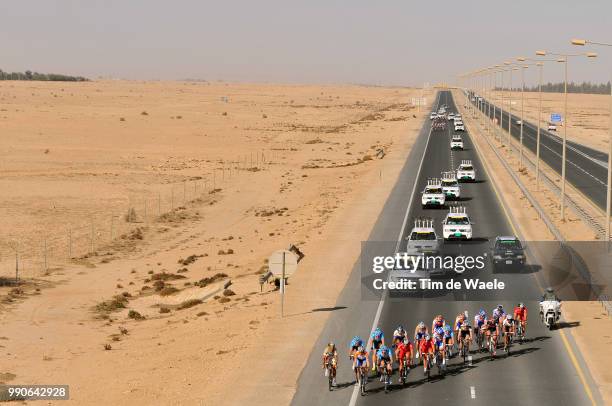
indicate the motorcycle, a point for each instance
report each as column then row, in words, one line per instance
column 550, row 313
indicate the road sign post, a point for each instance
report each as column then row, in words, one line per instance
column 282, row 264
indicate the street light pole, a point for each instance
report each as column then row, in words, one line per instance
column 541, row 64
column 583, row 42
column 522, row 113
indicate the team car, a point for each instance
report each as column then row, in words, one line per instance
column 456, row 142
column 450, row 186
column 451, row 116
column 457, row 225
column 432, row 195
column 507, row 252
column 423, row 238
column 466, row 171
column 433, row 115
column 459, row 126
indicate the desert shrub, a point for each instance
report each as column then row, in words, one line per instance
column 133, row 314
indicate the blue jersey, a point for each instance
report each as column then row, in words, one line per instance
column 449, row 334
column 356, row 342
column 386, row 355
column 377, row 335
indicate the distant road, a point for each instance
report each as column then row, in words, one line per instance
column 586, row 168
column 539, row 372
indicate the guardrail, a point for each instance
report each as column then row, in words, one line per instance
column 603, row 299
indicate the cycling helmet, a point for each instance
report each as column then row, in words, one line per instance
column 360, row 348
column 384, row 349
column 400, row 329
column 406, row 341
column 447, row 328
column 521, row 305
column 427, row 337
column 331, row 344
column 421, row 324
column 466, row 323
column 500, row 307
column 509, row 316
column 549, row 290
column 378, row 332
column 439, row 317
column 482, row 313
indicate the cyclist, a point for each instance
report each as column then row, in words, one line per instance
column 426, row 347
column 438, row 341
column 356, row 342
column 449, row 339
column 377, row 339
column 330, row 355
column 498, row 314
column 508, row 329
column 520, row 315
column 360, row 362
column 385, row 360
column 465, row 332
column 420, row 332
column 490, row 327
column 404, row 352
column 398, row 337
column 459, row 320
column 438, row 321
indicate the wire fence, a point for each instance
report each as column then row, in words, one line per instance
column 39, row 251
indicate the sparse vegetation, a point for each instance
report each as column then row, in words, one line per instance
column 189, row 303
column 133, row 314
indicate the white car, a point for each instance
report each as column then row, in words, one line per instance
column 457, row 225
column 450, row 186
column 423, row 238
column 432, row 195
column 459, row 126
column 519, row 122
column 552, row 127
column 456, row 142
column 433, row 115
column 466, row 171
column 451, row 116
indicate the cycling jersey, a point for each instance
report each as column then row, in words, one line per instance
column 438, row 342
column 420, row 334
column 520, row 313
column 403, row 349
column 361, row 359
column 464, row 332
column 508, row 325
column 491, row 325
column 479, row 320
column 426, row 346
column 384, row 356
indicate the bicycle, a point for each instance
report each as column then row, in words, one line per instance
column 507, row 342
column 480, row 339
column 465, row 347
column 427, row 364
column 440, row 362
column 404, row 374
column 384, row 374
column 330, row 366
column 520, row 333
column 363, row 379
column 491, row 345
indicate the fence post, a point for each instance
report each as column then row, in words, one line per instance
column 45, row 255
column 145, row 211
column 184, row 192
column 92, row 236
column 16, row 264
column 70, row 243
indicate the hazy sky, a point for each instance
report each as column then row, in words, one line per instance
column 327, row 41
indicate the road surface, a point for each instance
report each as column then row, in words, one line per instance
column 540, row 371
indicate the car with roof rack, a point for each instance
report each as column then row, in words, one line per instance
column 450, row 186
column 433, row 195
column 457, row 225
column 466, row 171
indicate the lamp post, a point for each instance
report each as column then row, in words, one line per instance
column 583, row 42
column 564, row 58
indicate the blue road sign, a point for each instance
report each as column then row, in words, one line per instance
column 555, row 118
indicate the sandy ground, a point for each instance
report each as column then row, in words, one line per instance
column 589, row 114
column 236, row 171
column 589, row 320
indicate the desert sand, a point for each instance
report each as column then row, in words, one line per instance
column 589, row 114
column 213, row 177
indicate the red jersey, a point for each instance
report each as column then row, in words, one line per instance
column 426, row 346
column 522, row 313
column 403, row 349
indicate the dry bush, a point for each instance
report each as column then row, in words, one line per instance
column 189, row 303
column 207, row 281
column 116, row 303
column 133, row 314
column 168, row 290
column 228, row 292
column 164, row 310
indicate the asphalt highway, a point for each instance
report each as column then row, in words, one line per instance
column 586, row 168
column 540, row 371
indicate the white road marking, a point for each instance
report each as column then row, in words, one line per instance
column 355, row 393
column 473, row 392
